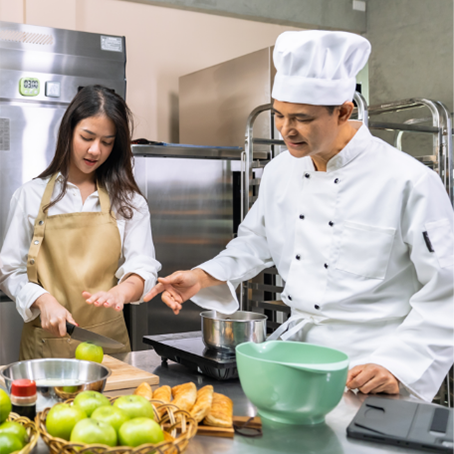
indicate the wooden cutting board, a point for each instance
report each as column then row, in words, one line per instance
column 228, row 432
column 125, row 376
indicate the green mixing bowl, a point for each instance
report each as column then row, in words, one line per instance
column 292, row 382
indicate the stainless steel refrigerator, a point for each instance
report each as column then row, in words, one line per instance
column 41, row 70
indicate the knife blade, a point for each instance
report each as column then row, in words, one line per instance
column 85, row 335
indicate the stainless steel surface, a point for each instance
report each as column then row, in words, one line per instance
column 57, row 379
column 223, row 333
column 10, row 330
column 85, row 335
column 214, row 103
column 191, row 207
column 29, row 124
column 193, row 152
column 327, row 438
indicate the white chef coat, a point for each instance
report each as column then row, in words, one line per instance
column 349, row 245
column 137, row 250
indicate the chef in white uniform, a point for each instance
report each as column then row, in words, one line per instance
column 361, row 233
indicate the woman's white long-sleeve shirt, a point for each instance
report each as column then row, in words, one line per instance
column 366, row 253
column 137, row 250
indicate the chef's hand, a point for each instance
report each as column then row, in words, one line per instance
column 53, row 315
column 180, row 286
column 372, row 379
column 130, row 289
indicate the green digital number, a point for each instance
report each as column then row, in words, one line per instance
column 29, row 86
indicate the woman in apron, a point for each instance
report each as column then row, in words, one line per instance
column 78, row 244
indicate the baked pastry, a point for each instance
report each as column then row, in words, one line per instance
column 184, row 396
column 163, row 393
column 144, row 389
column 203, row 403
column 221, row 412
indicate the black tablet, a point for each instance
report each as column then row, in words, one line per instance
column 403, row 423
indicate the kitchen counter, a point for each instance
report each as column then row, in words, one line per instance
column 329, row 437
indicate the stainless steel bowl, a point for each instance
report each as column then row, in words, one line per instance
column 223, row 333
column 57, row 379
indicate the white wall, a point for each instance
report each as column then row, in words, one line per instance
column 162, row 44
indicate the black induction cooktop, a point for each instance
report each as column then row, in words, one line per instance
column 189, row 350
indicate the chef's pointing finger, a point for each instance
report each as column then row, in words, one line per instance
column 156, row 290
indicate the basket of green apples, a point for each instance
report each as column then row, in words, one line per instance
column 97, row 424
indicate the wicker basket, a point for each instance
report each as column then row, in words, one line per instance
column 32, row 431
column 178, row 425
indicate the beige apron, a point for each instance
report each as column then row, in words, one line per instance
column 79, row 252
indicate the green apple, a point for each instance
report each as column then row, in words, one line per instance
column 89, row 401
column 138, row 431
column 5, row 405
column 9, row 443
column 135, row 406
column 15, row 428
column 88, row 351
column 91, row 431
column 62, row 418
column 111, row 415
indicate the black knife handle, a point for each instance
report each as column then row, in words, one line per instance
column 70, row 328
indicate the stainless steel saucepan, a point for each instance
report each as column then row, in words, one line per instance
column 223, row 333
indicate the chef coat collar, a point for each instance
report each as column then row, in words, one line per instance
column 356, row 146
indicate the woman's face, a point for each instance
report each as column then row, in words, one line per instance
column 92, row 143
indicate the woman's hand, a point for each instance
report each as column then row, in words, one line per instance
column 130, row 289
column 113, row 299
column 53, row 315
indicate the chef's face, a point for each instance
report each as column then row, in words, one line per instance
column 308, row 130
column 92, row 143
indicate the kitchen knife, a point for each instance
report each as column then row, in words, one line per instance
column 88, row 336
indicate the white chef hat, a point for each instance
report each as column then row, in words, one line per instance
column 318, row 67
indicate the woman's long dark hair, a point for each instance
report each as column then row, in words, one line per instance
column 115, row 174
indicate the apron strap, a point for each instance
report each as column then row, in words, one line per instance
column 38, row 231
column 104, row 199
